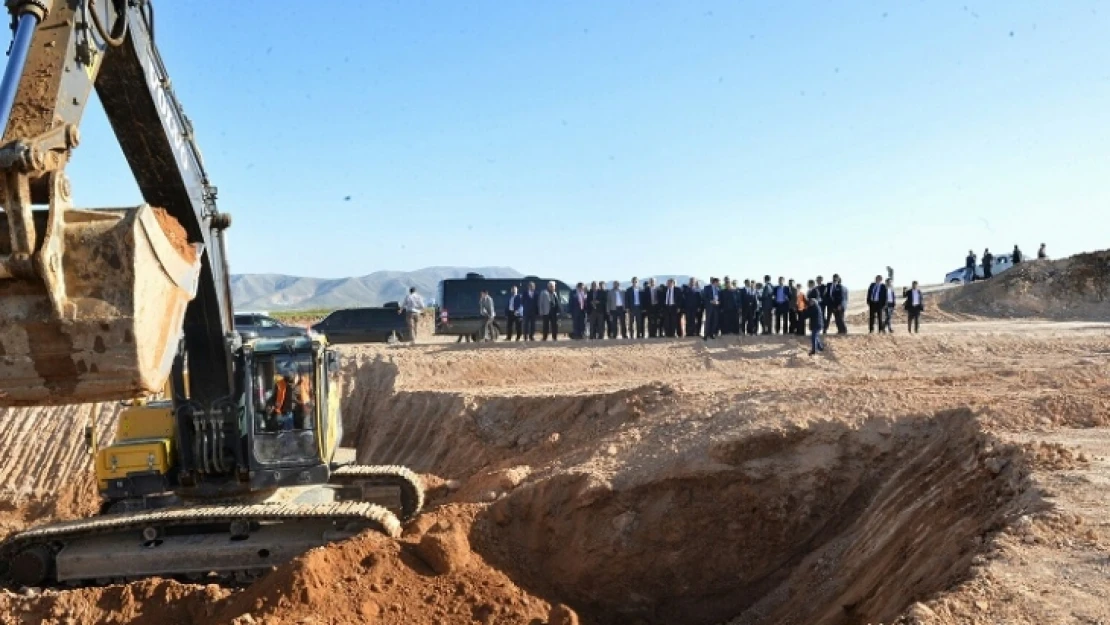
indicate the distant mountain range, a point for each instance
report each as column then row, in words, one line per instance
column 267, row 291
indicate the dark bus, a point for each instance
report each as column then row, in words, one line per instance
column 457, row 303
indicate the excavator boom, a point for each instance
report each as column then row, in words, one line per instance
column 96, row 305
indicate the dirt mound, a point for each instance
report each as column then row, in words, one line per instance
column 371, row 579
column 368, row 579
column 1075, row 288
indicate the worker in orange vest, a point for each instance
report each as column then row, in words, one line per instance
column 291, row 408
column 800, row 308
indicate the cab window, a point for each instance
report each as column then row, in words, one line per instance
column 293, row 413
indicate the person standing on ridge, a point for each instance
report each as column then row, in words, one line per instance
column 411, row 308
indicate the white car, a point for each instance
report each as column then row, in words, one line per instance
column 1001, row 263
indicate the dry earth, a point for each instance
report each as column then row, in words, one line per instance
column 955, row 476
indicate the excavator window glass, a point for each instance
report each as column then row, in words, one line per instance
column 296, row 407
column 284, row 414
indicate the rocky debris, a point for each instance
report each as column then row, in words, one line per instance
column 444, row 548
column 562, row 615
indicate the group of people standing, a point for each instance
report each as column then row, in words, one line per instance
column 722, row 307
column 970, row 275
column 881, row 300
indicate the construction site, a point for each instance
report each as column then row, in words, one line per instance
column 955, row 476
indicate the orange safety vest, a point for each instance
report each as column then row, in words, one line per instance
column 800, row 301
column 303, row 393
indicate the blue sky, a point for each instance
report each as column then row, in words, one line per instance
column 585, row 139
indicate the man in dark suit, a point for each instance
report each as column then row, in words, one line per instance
column 782, row 307
column 837, row 304
column 513, row 309
column 615, row 304
column 766, row 304
column 915, row 303
column 742, row 298
column 712, row 298
column 823, row 301
column 634, row 303
column 579, row 304
column 651, row 307
column 730, row 310
column 754, row 307
column 672, row 296
column 531, row 302
column 876, row 300
column 595, row 306
column 691, row 302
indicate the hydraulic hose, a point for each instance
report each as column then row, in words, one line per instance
column 21, row 45
column 112, row 40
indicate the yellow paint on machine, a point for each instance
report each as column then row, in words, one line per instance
column 144, row 444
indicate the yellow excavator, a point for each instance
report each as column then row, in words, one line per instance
column 237, row 467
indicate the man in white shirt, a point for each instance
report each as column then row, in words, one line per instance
column 614, row 306
column 634, row 304
column 670, row 309
column 411, row 308
column 888, row 311
column 915, row 303
column 578, row 309
column 876, row 299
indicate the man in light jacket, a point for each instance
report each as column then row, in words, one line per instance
column 485, row 309
column 549, row 311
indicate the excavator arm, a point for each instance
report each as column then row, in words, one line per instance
column 99, row 305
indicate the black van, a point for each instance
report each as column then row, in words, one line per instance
column 457, row 303
column 364, row 325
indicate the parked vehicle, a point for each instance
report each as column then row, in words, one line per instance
column 457, row 314
column 364, row 325
column 265, row 326
column 1001, row 263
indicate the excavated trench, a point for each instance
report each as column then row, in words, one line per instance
column 835, row 522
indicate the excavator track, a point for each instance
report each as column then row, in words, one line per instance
column 409, row 483
column 182, row 541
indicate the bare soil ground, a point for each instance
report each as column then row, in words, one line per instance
column 956, row 476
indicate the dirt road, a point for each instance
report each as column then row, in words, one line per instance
column 956, row 476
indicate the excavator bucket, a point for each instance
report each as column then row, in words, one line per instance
column 128, row 275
